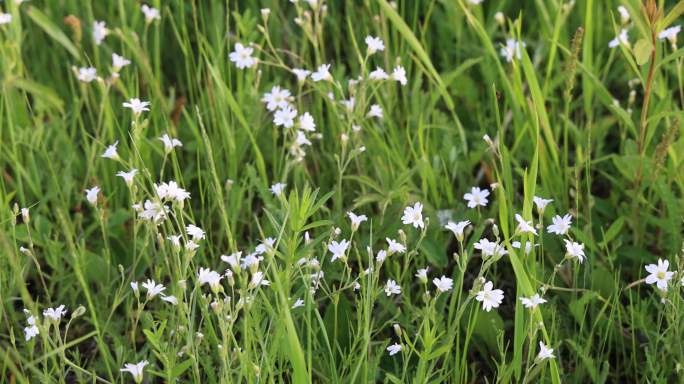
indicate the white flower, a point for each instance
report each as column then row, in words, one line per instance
column 55, row 314
column 136, row 370
column 475, row 2
column 413, row 216
column 490, row 248
column 265, row 246
column 378, row 74
column 242, row 56
column 137, row 106
column 233, row 259
column 528, row 246
column 457, row 228
column 399, row 74
column 541, row 203
column 394, row 349
column 443, row 284
column 524, row 226
column 375, row 111
column 490, row 298
column 110, row 152
column 278, row 98
column 153, row 211
column 381, row 256
column 151, row 14
column 277, row 188
column 561, row 225
column 285, row 117
column 306, row 122
column 338, row 249
column 624, row 14
column 127, row 176
column 356, row 220
column 170, row 299
column 512, row 49
column 207, row 276
column 134, row 287
column 100, row 31
column 477, row 197
column 533, row 301
column 374, row 44
column 670, row 33
column 392, row 288
column 91, row 194
column 258, row 280
column 301, row 139
column 31, row 330
column 301, row 74
column 196, row 232
column 322, row 73
column 544, row 352
column 87, row 74
column 153, row 289
column 621, row 38
column 659, row 274
column 298, row 303
column 119, row 62
column 574, row 249
column 5, row 18
column 421, row 274
column 191, row 245
column 394, row 246
column 171, row 191
column 170, row 142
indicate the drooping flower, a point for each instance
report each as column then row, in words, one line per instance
column 659, row 274
column 490, row 298
column 242, row 56
column 477, row 197
column 136, row 370
column 413, row 216
column 173, row 300
column 561, row 225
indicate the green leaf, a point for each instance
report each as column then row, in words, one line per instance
column 52, row 30
column 642, row 51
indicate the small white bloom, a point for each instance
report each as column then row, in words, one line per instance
column 421, row 274
column 128, row 176
column 100, row 31
column 561, row 225
column 55, row 314
column 151, row 14
column 338, row 249
column 574, row 249
column 5, row 18
column 137, row 106
column 136, row 370
column 533, row 301
column 233, row 259
column 544, row 352
column 110, row 152
column 301, row 74
column 258, row 280
column 524, row 226
column 394, row 246
column 170, row 299
column 119, row 62
column 375, row 111
column 624, row 14
column 381, row 256
column 670, row 34
column 475, row 2
column 458, row 228
column 490, row 298
column 413, row 216
column 621, row 39
column 191, row 245
column 87, row 74
column 278, row 98
column 153, row 211
column 134, row 287
column 392, row 288
column 659, row 274
column 91, row 194
column 477, row 197
column 399, row 74
column 443, row 284
column 196, row 232
column 374, row 44
column 394, row 349
column 490, row 248
column 298, row 303
column 171, row 191
column 31, row 330
column 378, row 74
column 306, row 122
column 277, row 188
column 285, row 117
column 170, row 142
column 153, row 289
column 356, row 220
column 242, row 56
column 512, row 49
column 541, row 203
column 207, row 276
column 322, row 73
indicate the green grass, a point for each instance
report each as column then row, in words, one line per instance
column 598, row 130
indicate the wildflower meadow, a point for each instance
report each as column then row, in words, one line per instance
column 341, row 191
